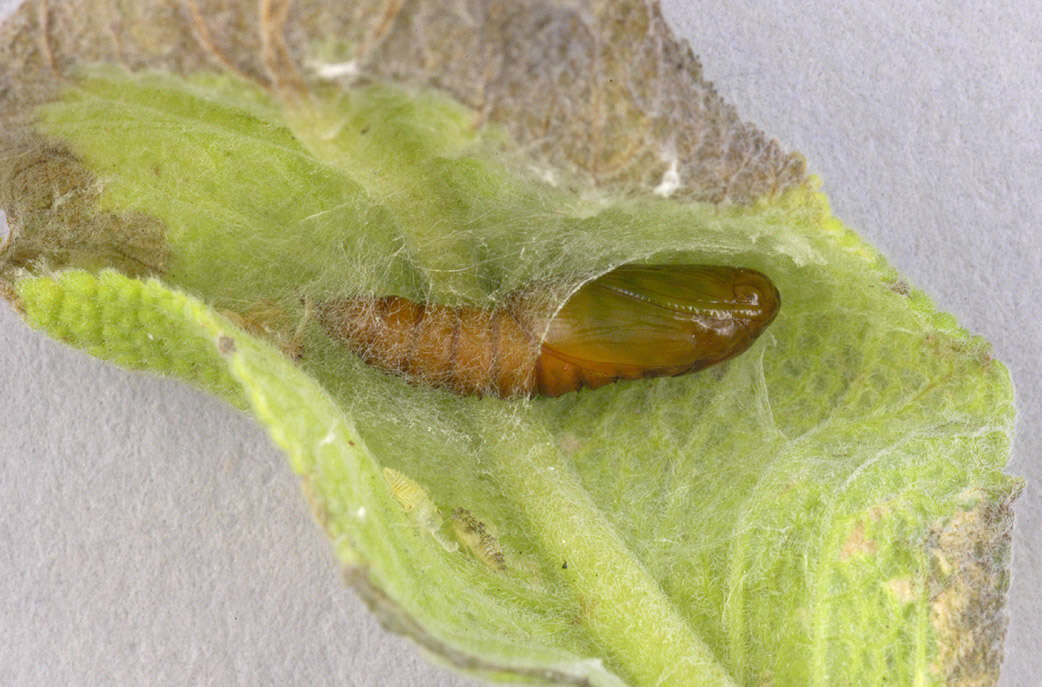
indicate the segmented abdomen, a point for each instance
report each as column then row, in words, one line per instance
column 467, row 350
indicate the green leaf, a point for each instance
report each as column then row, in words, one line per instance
column 786, row 517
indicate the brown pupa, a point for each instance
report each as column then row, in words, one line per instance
column 634, row 322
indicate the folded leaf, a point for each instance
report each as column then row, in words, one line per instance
column 827, row 508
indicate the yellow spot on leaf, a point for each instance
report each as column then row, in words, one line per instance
column 856, row 543
column 902, row 588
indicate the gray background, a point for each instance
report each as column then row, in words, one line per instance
column 149, row 534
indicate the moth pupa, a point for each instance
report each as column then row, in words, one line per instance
column 634, row 322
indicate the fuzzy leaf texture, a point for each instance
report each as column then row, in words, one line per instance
column 828, row 508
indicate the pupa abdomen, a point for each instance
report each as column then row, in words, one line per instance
column 636, row 321
column 467, row 350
